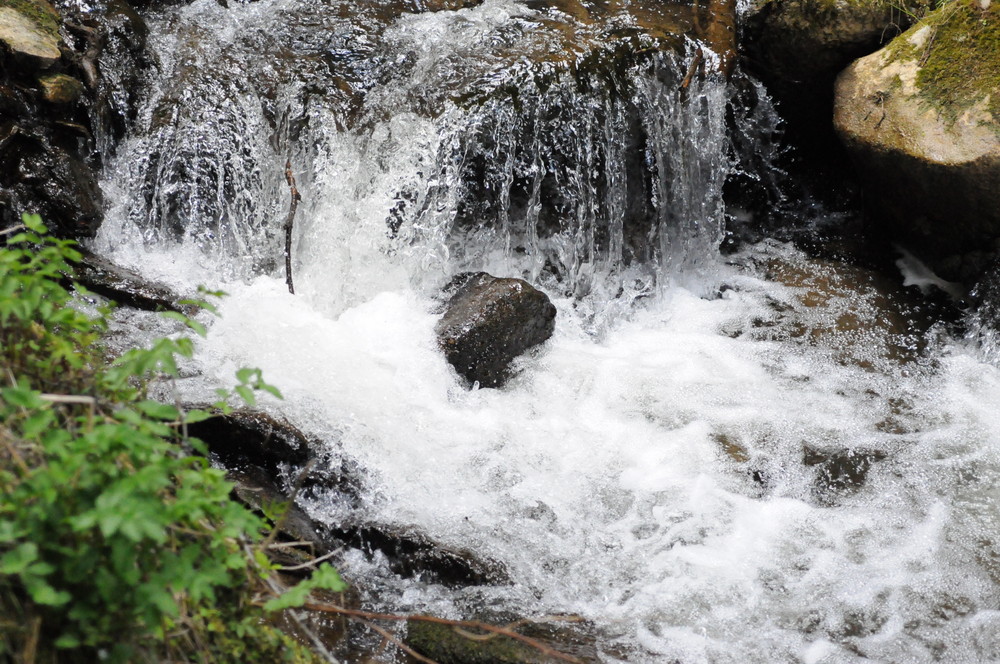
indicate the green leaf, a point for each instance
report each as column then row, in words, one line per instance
column 42, row 593
column 159, row 411
column 33, row 222
column 246, row 375
column 194, row 416
column 327, row 577
column 246, row 394
column 37, row 423
column 67, row 641
column 23, row 397
column 17, row 560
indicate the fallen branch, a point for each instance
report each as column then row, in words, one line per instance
column 696, row 61
column 288, row 224
column 389, row 636
column 461, row 624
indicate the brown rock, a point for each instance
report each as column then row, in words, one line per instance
column 60, row 89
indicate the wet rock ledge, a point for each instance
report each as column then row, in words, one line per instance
column 69, row 80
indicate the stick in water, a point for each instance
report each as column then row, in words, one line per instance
column 288, row 224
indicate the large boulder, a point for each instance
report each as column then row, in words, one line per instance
column 488, row 322
column 921, row 120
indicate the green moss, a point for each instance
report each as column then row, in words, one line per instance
column 39, row 11
column 960, row 58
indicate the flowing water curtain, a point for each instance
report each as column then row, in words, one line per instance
column 205, row 161
column 573, row 182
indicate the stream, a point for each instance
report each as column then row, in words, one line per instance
column 742, row 456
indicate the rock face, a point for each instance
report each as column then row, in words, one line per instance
column 799, row 46
column 490, row 321
column 62, row 108
column 921, row 120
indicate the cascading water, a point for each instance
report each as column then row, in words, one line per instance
column 753, row 458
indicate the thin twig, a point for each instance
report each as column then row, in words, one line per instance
column 80, row 399
column 290, row 545
column 311, row 563
column 12, row 229
column 290, row 178
column 31, row 646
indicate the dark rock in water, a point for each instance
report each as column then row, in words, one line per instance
column 51, row 181
column 60, row 89
column 249, row 438
column 839, row 473
column 447, row 644
column 69, row 82
column 126, row 287
column 799, row 46
column 490, row 321
column 413, row 555
column 272, row 461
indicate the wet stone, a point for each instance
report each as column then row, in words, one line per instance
column 60, row 89
column 553, row 641
column 490, row 321
column 125, row 287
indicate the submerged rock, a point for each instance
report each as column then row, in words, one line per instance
column 490, row 321
column 857, row 314
column 272, row 461
column 921, row 120
column 841, row 472
column 415, row 555
column 449, row 644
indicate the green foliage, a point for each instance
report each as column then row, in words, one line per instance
column 113, row 540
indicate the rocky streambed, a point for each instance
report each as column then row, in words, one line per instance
column 716, row 374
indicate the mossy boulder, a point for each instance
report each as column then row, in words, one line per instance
column 29, row 29
column 799, row 46
column 921, row 120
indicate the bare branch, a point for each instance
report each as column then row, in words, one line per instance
column 290, row 178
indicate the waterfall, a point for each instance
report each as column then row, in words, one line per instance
column 751, row 457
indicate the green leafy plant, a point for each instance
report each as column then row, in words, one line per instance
column 116, row 544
